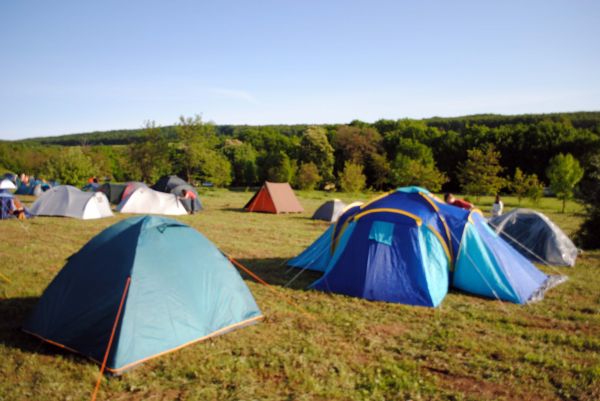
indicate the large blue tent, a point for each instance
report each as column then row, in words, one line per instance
column 409, row 247
column 182, row 290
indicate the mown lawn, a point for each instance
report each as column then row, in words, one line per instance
column 327, row 347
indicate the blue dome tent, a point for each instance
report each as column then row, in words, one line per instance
column 182, row 290
column 409, row 247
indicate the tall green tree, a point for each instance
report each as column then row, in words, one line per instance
column 588, row 236
column 479, row 174
column 280, row 168
column 414, row 165
column 194, row 139
column 564, row 172
column 352, row 178
column 70, row 166
column 526, row 186
column 243, row 161
column 315, row 148
column 149, row 158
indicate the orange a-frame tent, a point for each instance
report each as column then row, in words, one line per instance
column 274, row 198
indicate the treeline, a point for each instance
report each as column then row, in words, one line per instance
column 431, row 152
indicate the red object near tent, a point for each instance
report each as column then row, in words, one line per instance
column 274, row 198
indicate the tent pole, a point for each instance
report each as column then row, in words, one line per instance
column 112, row 336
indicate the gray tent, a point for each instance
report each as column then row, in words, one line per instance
column 536, row 237
column 68, row 201
column 330, row 210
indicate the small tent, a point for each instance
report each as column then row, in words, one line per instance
column 182, row 290
column 172, row 184
column 7, row 184
column 166, row 183
column 113, row 191
column 409, row 247
column 274, row 198
column 329, row 211
column 145, row 200
column 536, row 237
column 68, row 201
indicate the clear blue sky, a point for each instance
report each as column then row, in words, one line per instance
column 78, row 66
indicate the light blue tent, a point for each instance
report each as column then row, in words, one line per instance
column 409, row 247
column 183, row 290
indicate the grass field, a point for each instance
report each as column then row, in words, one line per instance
column 328, row 347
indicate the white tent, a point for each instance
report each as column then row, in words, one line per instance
column 7, row 184
column 68, row 201
column 146, row 200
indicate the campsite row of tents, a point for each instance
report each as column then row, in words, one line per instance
column 165, row 286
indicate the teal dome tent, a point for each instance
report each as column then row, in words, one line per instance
column 182, row 290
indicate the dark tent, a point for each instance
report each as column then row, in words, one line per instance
column 114, row 192
column 172, row 184
column 329, row 211
column 536, row 237
column 166, row 183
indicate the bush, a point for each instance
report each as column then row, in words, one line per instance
column 70, row 167
column 308, row 176
column 352, row 178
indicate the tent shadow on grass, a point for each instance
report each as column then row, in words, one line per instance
column 275, row 272
column 14, row 311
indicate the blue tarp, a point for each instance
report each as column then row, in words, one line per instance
column 183, row 290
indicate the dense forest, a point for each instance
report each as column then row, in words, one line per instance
column 430, row 152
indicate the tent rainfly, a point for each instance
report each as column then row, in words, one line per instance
column 177, row 289
column 68, row 201
column 274, row 198
column 536, row 237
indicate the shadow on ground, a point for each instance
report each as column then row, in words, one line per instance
column 14, row 312
column 275, row 272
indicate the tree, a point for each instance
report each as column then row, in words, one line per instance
column 308, row 176
column 414, row 165
column 213, row 167
column 352, row 178
column 526, row 186
column 479, row 174
column 243, row 161
column 315, row 148
column 535, row 189
column 70, row 166
column 380, row 169
column 564, row 172
column 407, row 172
column 149, row 158
column 194, row 138
column 588, row 236
column 355, row 144
column 280, row 168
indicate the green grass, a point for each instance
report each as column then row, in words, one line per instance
column 468, row 349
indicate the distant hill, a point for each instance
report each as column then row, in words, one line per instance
column 588, row 120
